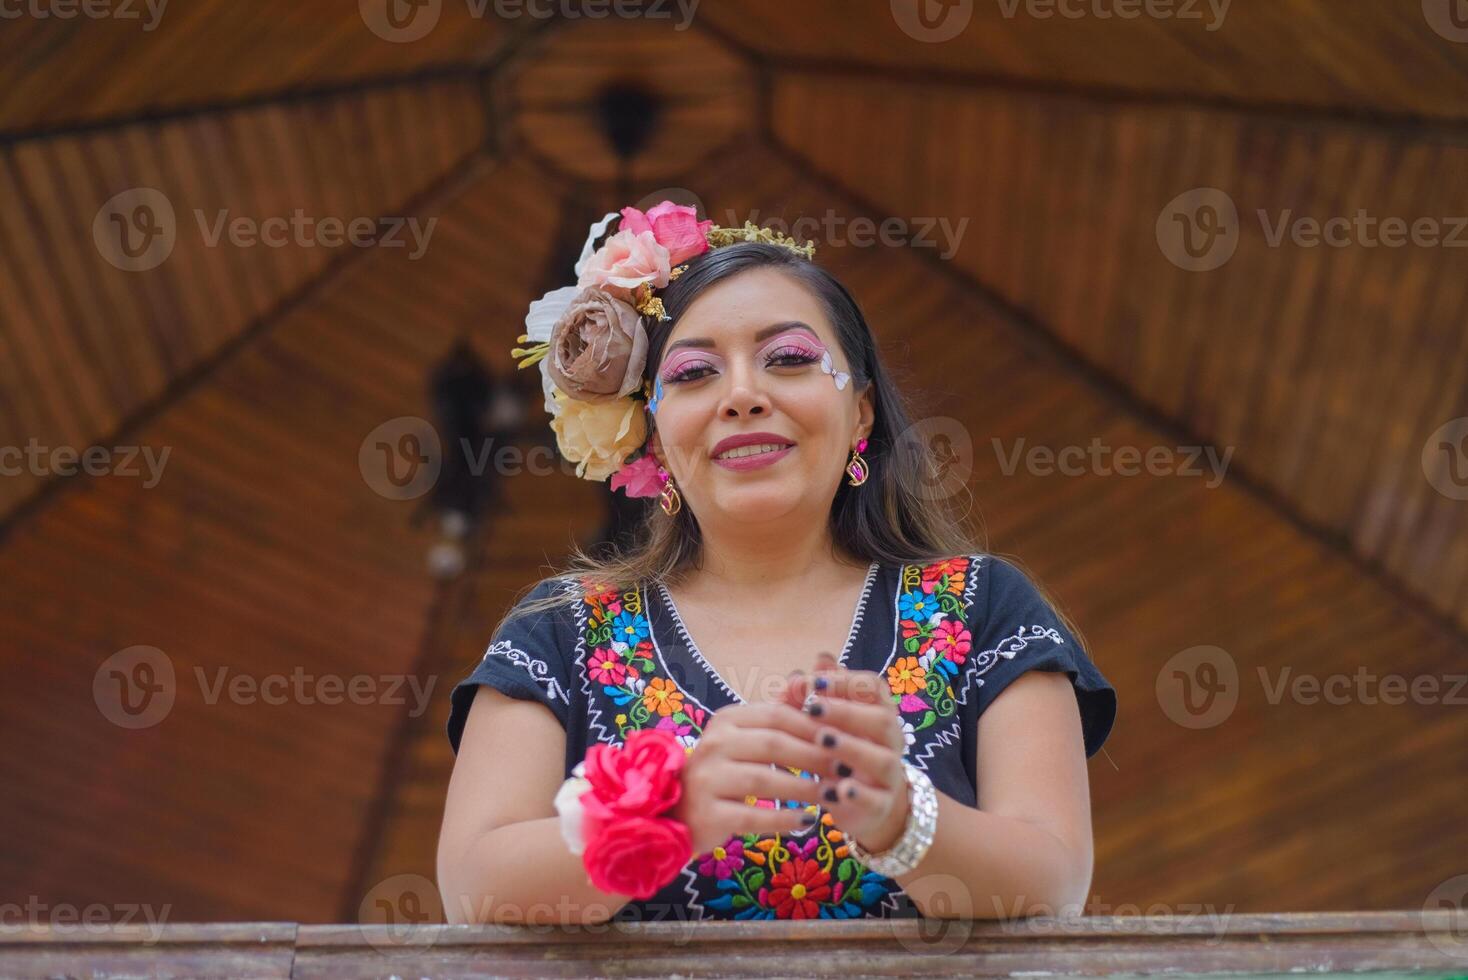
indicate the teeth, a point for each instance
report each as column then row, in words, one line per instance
column 767, row 447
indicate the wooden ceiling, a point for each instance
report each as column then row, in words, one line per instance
column 1058, row 144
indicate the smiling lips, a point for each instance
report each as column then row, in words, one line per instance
column 751, row 450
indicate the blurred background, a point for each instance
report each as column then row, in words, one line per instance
column 1178, row 286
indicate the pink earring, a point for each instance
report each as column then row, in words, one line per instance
column 670, row 499
column 857, row 467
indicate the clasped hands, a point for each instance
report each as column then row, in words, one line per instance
column 861, row 733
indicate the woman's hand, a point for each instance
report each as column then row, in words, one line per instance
column 732, row 762
column 860, row 736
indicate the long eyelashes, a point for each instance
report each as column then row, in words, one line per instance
column 787, row 355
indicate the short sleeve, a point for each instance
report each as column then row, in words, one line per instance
column 1019, row 631
column 527, row 659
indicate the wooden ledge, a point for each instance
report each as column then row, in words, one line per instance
column 1426, row 943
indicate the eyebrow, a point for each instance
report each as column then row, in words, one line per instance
column 760, row 334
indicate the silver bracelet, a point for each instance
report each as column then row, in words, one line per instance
column 917, row 835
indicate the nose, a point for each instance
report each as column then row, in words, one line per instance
column 743, row 396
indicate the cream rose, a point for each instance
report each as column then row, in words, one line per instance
column 598, row 436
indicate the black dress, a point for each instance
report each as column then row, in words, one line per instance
column 949, row 636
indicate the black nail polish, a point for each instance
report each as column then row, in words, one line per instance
column 851, row 792
column 842, row 769
column 816, row 708
column 828, row 740
column 831, row 795
column 821, row 683
column 807, row 818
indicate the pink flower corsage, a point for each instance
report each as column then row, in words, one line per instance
column 612, row 813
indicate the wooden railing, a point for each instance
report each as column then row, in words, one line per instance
column 1432, row 943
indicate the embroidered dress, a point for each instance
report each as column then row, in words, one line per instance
column 949, row 636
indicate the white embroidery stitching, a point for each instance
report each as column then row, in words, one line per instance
column 1011, row 645
column 538, row 669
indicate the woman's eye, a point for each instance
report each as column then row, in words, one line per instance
column 690, row 373
column 792, row 357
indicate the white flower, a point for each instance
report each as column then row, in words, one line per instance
column 542, row 316
column 595, row 233
column 568, row 805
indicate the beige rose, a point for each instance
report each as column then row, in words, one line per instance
column 598, row 436
column 598, row 348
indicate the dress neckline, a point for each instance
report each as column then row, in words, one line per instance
column 717, row 678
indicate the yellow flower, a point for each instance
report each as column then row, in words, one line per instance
column 598, row 436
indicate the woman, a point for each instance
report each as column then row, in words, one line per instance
column 801, row 613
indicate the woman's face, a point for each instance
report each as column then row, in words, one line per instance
column 745, row 358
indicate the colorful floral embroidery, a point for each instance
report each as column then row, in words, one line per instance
column 621, row 663
column 778, row 877
column 932, row 615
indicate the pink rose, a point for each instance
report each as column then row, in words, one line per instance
column 640, row 477
column 675, row 226
column 637, row 855
column 642, row 778
column 626, row 261
column 598, row 348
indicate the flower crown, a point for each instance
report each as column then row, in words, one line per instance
column 591, row 344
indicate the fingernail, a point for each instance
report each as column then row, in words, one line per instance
column 831, row 795
column 828, row 740
column 843, row 769
column 807, row 818
column 821, row 682
column 817, row 708
column 851, row 792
